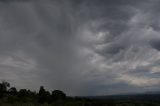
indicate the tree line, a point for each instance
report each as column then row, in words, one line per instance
column 42, row 96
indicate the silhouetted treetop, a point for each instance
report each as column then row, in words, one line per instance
column 13, row 91
column 58, row 95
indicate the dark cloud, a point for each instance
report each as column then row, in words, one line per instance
column 155, row 43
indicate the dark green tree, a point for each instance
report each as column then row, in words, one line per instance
column 44, row 96
column 3, row 88
column 58, row 95
column 23, row 93
column 13, row 91
column 41, row 90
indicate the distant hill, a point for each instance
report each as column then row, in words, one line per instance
column 148, row 96
column 152, row 92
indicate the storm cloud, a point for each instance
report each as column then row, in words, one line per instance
column 83, row 47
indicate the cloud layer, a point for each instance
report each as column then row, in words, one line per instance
column 83, row 47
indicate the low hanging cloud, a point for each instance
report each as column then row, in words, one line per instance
column 83, row 47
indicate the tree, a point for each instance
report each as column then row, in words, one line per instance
column 41, row 91
column 41, row 95
column 58, row 95
column 23, row 93
column 13, row 91
column 3, row 88
column 44, row 96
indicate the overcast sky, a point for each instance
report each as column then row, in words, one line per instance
column 83, row 47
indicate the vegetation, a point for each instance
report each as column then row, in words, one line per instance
column 10, row 96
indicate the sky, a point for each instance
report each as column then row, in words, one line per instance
column 82, row 47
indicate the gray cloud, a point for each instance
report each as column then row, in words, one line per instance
column 82, row 47
column 155, row 44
